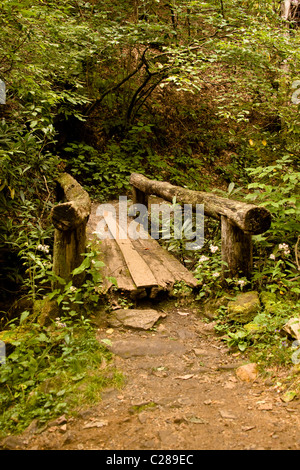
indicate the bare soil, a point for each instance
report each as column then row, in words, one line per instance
column 181, row 392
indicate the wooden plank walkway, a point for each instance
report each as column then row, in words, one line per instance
column 141, row 267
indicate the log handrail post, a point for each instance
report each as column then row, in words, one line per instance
column 239, row 220
column 69, row 218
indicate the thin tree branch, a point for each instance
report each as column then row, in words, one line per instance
column 296, row 253
column 116, row 87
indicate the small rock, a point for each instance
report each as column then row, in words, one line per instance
column 142, row 417
column 245, row 307
column 63, row 428
column 208, row 328
column 11, row 443
column 185, row 377
column 135, row 318
column 248, row 372
column 185, row 401
column 227, row 414
column 167, row 438
column 69, row 437
column 196, row 420
column 207, row 402
column 229, row 385
column 149, row 444
column 58, row 421
column 247, row 428
column 264, row 406
column 183, row 314
column 95, row 424
column 199, row 352
column 292, row 327
column 52, row 429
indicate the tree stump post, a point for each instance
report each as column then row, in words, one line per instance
column 139, row 197
column 236, row 247
column 69, row 218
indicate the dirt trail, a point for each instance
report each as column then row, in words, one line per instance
column 181, row 393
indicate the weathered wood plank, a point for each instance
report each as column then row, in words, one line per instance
column 138, row 268
column 165, row 267
column 115, row 266
column 164, row 278
column 145, row 257
column 169, row 262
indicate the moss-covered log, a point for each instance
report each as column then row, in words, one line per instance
column 69, row 218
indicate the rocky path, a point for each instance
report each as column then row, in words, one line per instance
column 182, row 392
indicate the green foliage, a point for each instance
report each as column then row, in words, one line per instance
column 51, row 371
column 178, row 91
column 263, row 338
column 103, row 175
column 75, row 301
column 276, row 187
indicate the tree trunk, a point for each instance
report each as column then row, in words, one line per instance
column 286, row 9
column 236, row 250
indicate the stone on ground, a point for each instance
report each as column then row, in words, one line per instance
column 135, row 318
column 247, row 372
column 244, row 307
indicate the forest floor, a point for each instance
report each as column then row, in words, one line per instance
column 181, row 392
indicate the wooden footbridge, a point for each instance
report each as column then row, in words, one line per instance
column 140, row 266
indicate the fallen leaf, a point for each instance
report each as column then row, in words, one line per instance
column 289, row 396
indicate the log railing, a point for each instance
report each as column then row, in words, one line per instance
column 239, row 220
column 69, row 218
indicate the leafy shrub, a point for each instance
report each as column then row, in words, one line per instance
column 50, row 371
column 276, row 187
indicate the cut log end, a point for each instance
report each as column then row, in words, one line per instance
column 257, row 220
